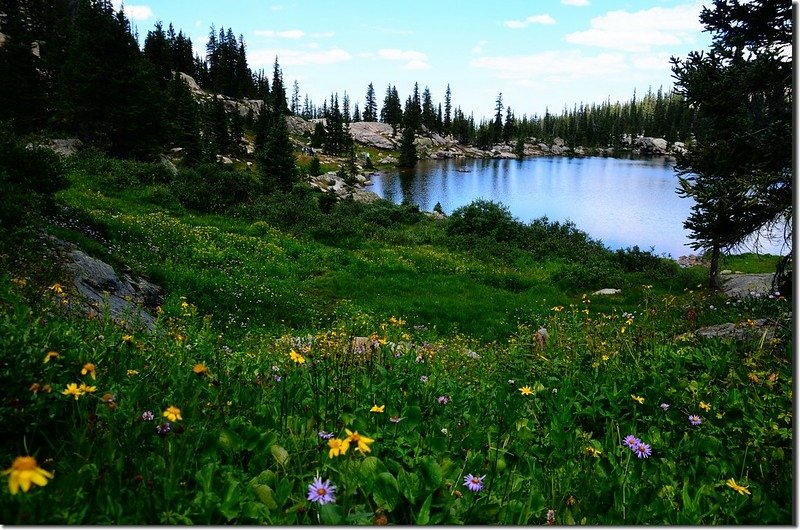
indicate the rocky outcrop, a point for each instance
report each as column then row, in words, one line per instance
column 331, row 182
column 375, row 134
column 62, row 146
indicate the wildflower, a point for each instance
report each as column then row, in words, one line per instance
column 24, row 471
column 276, row 368
column 643, row 450
column 694, row 419
column 423, row 378
column 172, row 413
column 526, row 390
column 148, row 415
column 51, row 355
column 277, row 378
column 705, row 406
column 664, row 406
column 56, row 288
column 444, row 431
column 638, row 399
column 510, row 381
column 362, row 441
column 376, row 408
column 474, row 483
column 133, row 372
column 396, row 419
column 442, row 400
column 557, row 308
column 742, row 490
column 321, row 492
column 127, row 339
column 200, row 369
column 591, row 451
column 35, row 387
column 47, row 388
column 551, row 517
column 110, row 400
column 86, row 389
column 338, row 447
column 631, row 442
column 325, row 435
column 163, row 428
column 89, row 368
column 73, row 390
column 296, row 357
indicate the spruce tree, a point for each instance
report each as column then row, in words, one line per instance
column 408, row 151
column 277, row 163
column 370, row 105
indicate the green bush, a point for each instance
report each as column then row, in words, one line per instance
column 118, row 174
column 211, row 188
column 485, row 219
column 588, row 275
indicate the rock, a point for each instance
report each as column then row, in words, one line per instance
column 544, row 147
column 678, row 148
column 189, row 80
column 580, row 150
column 606, row 292
column 744, row 331
column 747, row 285
column 388, row 160
column 373, row 133
column 167, row 163
column 649, row 145
column 422, row 141
column 556, row 150
column 692, row 260
column 64, row 146
column 558, row 141
column 126, row 298
column 298, row 126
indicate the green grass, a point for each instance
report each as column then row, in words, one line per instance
column 247, row 294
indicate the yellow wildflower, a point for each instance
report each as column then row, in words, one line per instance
column 200, row 369
column 89, row 368
column 35, row 387
column 526, row 390
column 296, row 357
column 56, row 287
column 51, row 355
column 376, row 408
column 47, row 388
column 737, row 488
column 127, row 339
column 86, row 389
column 172, row 413
column 591, row 451
column 557, row 308
column 638, row 399
column 24, row 472
column 362, row 441
column 73, row 390
column 338, row 447
column 705, row 406
column 133, row 372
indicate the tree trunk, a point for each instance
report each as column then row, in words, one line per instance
column 713, row 270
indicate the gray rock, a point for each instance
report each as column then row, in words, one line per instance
column 558, row 141
column 607, row 292
column 745, row 331
column 372, row 133
column 747, row 285
column 63, row 146
column 167, row 163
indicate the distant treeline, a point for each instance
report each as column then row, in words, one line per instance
column 75, row 67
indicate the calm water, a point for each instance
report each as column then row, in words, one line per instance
column 622, row 202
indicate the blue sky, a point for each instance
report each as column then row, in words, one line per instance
column 542, row 53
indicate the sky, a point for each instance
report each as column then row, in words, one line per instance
column 538, row 53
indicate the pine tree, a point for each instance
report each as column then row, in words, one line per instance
column 277, row 163
column 447, row 110
column 370, row 105
column 408, row 151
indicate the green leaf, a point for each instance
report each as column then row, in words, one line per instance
column 386, row 491
column 431, row 473
column 330, row 514
column 281, row 455
column 408, row 484
column 265, row 495
column 424, row 515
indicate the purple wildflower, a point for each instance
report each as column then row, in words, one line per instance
column 325, row 435
column 442, row 400
column 163, row 428
column 694, row 419
column 643, row 450
column 665, row 407
column 277, row 378
column 474, row 483
column 321, row 492
column 631, row 442
column 424, row 378
column 147, row 415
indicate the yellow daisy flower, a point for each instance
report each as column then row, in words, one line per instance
column 362, row 441
column 338, row 447
column 24, row 472
column 199, row 369
column 73, row 390
column 591, row 451
column 296, row 357
column 638, row 399
column 89, row 368
column 526, row 390
column 376, row 408
column 50, row 356
column 172, row 413
column 737, row 488
column 85, row 389
column 705, row 406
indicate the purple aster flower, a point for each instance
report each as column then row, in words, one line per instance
column 442, row 400
column 631, row 442
column 163, row 428
column 474, row 483
column 321, row 492
column 398, row 355
column 695, row 419
column 147, row 415
column 665, row 407
column 643, row 450
column 424, row 378
column 277, row 378
column 325, row 435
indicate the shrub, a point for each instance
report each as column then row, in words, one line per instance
column 210, row 188
column 588, row 275
column 485, row 219
column 117, row 174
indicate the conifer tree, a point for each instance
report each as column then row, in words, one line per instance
column 277, row 163
column 408, row 151
column 370, row 105
column 448, row 107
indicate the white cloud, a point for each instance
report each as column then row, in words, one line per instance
column 579, row 3
column 478, row 48
column 555, row 65
column 323, row 35
column 288, row 34
column 533, row 19
column 414, row 60
column 642, row 30
column 133, row 12
column 289, row 57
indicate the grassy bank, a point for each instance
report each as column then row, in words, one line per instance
column 482, row 354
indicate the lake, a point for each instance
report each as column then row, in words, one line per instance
column 620, row 201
